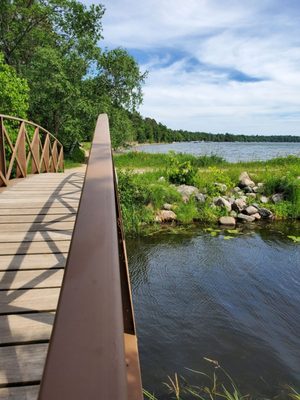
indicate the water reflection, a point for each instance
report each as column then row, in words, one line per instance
column 236, row 301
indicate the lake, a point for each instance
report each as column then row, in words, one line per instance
column 236, row 301
column 232, row 152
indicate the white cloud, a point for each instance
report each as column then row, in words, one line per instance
column 234, row 43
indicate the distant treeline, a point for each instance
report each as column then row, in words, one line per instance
column 148, row 130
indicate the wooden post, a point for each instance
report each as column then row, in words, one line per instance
column 35, row 146
column 2, row 156
column 45, row 155
column 53, row 166
column 21, row 152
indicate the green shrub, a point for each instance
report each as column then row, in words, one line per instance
column 158, row 194
column 181, row 172
column 187, row 212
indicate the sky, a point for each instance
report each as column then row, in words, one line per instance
column 214, row 65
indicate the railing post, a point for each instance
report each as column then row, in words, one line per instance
column 21, row 152
column 35, row 146
column 2, row 156
column 45, row 155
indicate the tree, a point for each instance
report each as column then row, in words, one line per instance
column 14, row 92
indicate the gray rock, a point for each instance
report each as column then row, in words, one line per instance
column 221, row 187
column 265, row 213
column 200, row 197
column 221, row 202
column 255, row 189
column 251, row 210
column 244, row 180
column 165, row 216
column 227, row 221
column 277, row 198
column 161, row 179
column 260, row 185
column 239, row 205
column 246, row 218
column 233, row 213
column 248, row 189
column 256, row 216
column 187, row 191
column 236, row 190
column 264, row 199
column 167, row 206
column 251, row 195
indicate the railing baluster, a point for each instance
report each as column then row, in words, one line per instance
column 21, row 152
column 43, row 157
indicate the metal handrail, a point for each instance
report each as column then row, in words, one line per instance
column 44, row 157
column 93, row 350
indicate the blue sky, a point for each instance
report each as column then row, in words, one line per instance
column 214, row 65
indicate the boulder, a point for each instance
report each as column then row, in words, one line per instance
column 251, row 195
column 221, row 202
column 256, row 216
column 265, row 213
column 233, row 213
column 248, row 189
column 251, row 210
column 187, row 191
column 227, row 221
column 237, row 190
column 221, row 187
column 165, row 216
column 167, row 206
column 246, row 218
column 277, row 198
column 239, row 205
column 264, row 199
column 244, row 180
column 200, row 197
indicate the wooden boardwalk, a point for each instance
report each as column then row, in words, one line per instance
column 37, row 216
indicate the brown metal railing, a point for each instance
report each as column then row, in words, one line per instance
column 93, row 350
column 26, row 148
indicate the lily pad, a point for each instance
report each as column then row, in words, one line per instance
column 233, row 231
column 295, row 239
column 213, row 233
column 228, row 237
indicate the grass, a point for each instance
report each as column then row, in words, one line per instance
column 146, row 184
column 71, row 164
column 216, row 386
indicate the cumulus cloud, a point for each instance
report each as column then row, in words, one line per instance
column 214, row 65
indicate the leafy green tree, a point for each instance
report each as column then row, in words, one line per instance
column 14, row 92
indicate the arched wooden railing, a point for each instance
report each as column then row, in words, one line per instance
column 25, row 148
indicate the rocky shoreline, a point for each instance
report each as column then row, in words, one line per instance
column 244, row 203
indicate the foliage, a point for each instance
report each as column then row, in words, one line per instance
column 58, row 39
column 14, row 91
column 181, row 172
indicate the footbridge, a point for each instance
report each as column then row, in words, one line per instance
column 67, row 327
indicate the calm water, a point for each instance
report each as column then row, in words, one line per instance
column 236, row 301
column 232, row 152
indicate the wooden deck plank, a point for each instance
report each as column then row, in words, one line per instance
column 20, row 393
column 18, row 301
column 22, row 363
column 16, row 204
column 16, row 219
column 12, row 237
column 32, row 261
column 37, row 227
column 38, row 211
column 24, row 328
column 10, row 280
column 50, row 247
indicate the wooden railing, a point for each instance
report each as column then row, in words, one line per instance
column 93, row 351
column 27, row 148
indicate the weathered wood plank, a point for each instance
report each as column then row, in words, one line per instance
column 10, row 280
column 20, row 393
column 49, row 247
column 10, row 237
column 16, row 301
column 38, row 211
column 43, row 205
column 7, row 219
column 22, row 363
column 37, row 227
column 24, row 328
column 32, row 261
